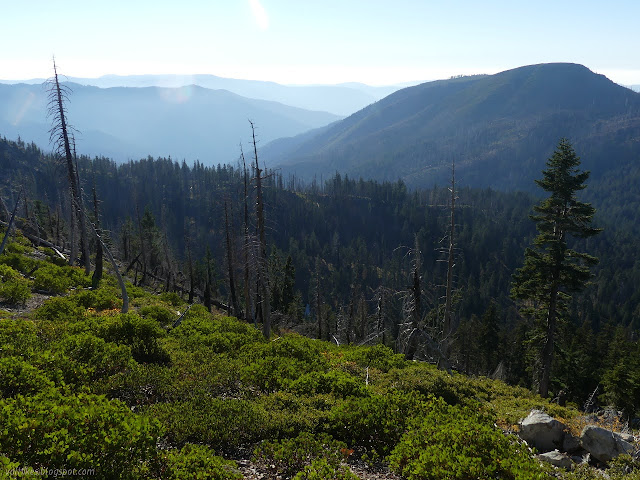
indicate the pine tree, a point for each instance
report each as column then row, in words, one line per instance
column 551, row 269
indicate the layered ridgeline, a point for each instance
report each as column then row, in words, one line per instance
column 342, row 99
column 499, row 129
column 189, row 122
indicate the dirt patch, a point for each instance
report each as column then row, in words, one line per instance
column 20, row 310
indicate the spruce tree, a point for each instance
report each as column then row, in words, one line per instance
column 552, row 270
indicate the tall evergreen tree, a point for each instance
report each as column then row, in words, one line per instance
column 551, row 269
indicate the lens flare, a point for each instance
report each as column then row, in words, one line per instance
column 22, row 110
column 259, row 14
column 176, row 95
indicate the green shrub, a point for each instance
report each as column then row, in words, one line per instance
column 18, row 337
column 273, row 373
column 189, row 376
column 456, row 442
column 18, row 262
column 99, row 358
column 274, row 365
column 160, row 314
column 21, row 378
column 375, row 356
column 199, row 330
column 140, row 334
column 220, row 423
column 377, row 422
column 104, row 298
column 135, row 292
column 57, row 280
column 199, row 462
column 79, row 431
column 142, row 384
column 291, row 414
column 305, row 350
column 60, row 309
column 320, row 469
column 336, row 382
column 286, row 457
column 14, row 247
column 7, row 273
column 172, row 298
column 428, row 380
column 14, row 288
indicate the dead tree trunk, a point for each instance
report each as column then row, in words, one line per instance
column 10, row 224
column 97, row 274
column 415, row 302
column 446, row 327
column 247, row 297
column 60, row 137
column 232, row 282
column 263, row 277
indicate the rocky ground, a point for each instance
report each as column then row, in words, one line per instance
column 253, row 471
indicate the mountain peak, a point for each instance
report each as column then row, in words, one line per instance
column 491, row 125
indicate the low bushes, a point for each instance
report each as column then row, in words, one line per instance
column 14, row 288
column 375, row 423
column 199, row 462
column 79, row 431
column 199, row 331
column 455, row 442
column 21, row 378
column 60, row 310
column 141, row 334
column 290, row 456
column 57, row 280
column 220, row 423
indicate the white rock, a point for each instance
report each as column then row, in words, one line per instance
column 557, row 459
column 541, row 431
column 603, row 444
column 570, row 444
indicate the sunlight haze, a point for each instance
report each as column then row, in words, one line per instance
column 328, row 42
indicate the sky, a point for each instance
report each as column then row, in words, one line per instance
column 316, row 41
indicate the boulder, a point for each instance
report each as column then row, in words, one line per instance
column 603, row 444
column 570, row 444
column 557, row 459
column 541, row 431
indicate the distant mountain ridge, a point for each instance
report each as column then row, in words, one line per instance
column 342, row 99
column 499, row 129
column 191, row 122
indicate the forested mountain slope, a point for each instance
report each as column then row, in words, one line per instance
column 336, row 247
column 499, row 129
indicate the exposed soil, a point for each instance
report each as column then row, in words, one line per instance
column 253, row 471
column 19, row 310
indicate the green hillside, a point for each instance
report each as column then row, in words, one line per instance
column 497, row 128
column 166, row 391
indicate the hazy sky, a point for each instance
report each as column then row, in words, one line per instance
column 317, row 41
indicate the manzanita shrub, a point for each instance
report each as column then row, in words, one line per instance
column 54, row 431
column 446, row 442
column 320, row 469
column 198, row 462
column 14, row 288
column 375, row 423
column 292, row 455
